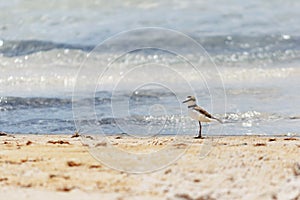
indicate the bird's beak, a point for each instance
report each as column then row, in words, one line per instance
column 186, row 100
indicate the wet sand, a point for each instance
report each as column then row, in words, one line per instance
column 61, row 167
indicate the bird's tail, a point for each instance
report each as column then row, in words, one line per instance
column 218, row 120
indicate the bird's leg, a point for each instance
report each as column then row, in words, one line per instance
column 200, row 127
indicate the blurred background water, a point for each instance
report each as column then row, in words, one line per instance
column 255, row 45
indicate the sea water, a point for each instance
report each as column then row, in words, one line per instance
column 247, row 74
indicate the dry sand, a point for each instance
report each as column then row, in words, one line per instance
column 61, row 167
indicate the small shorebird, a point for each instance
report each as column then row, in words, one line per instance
column 198, row 113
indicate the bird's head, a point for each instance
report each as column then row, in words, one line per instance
column 190, row 100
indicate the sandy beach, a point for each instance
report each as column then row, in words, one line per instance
column 61, row 167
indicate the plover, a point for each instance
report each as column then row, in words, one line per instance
column 198, row 113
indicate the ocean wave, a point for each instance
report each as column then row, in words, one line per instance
column 26, row 47
column 13, row 103
column 243, row 46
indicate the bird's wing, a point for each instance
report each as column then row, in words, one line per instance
column 205, row 113
column 202, row 111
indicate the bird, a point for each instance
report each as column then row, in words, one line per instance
column 198, row 113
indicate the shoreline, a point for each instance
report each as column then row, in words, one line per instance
column 237, row 167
